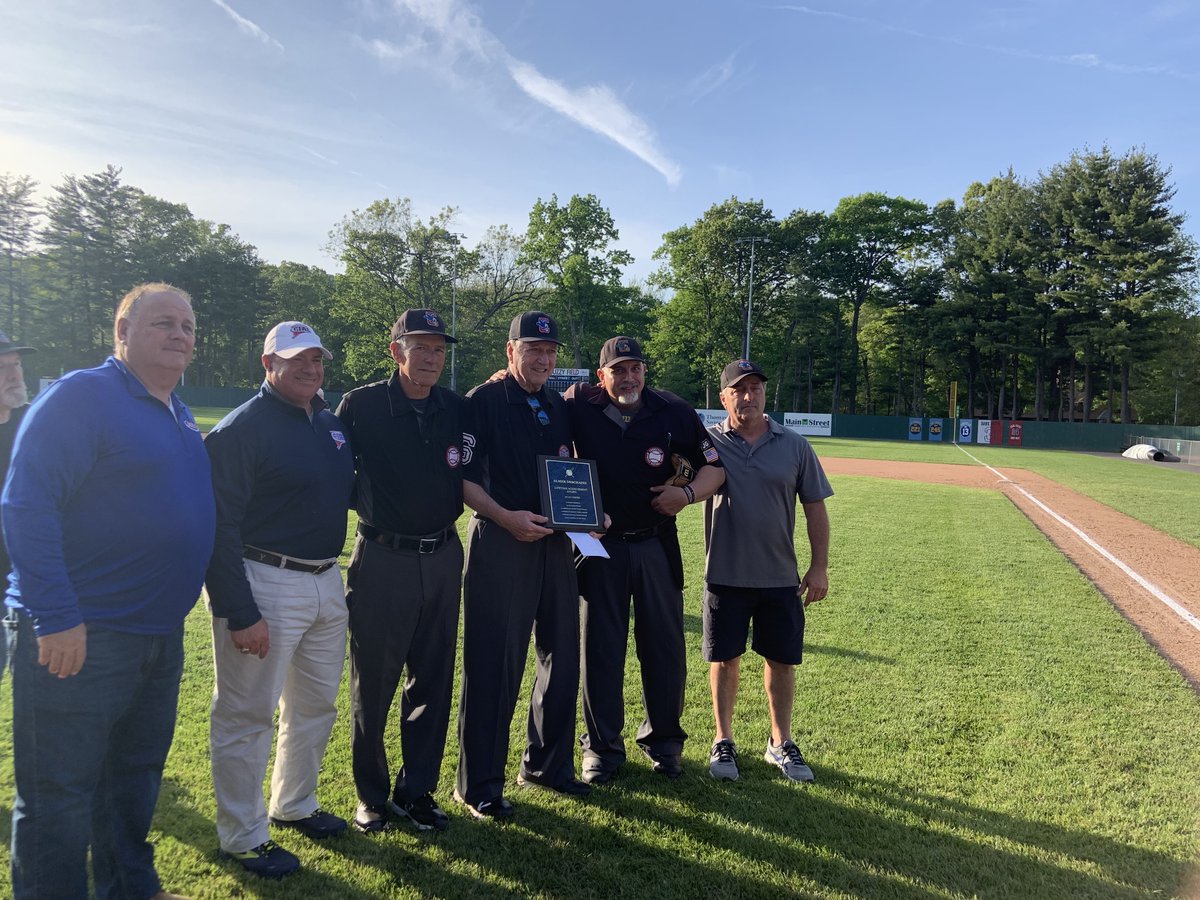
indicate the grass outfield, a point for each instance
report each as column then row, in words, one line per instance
column 1156, row 495
column 980, row 720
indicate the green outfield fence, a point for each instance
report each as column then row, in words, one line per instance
column 1036, row 435
column 1090, row 436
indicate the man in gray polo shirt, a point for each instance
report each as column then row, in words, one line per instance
column 751, row 571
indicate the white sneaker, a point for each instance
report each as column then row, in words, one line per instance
column 790, row 760
column 722, row 761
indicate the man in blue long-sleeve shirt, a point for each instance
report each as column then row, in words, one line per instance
column 108, row 513
column 283, row 473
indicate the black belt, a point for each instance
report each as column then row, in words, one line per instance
column 426, row 544
column 635, row 537
column 286, row 562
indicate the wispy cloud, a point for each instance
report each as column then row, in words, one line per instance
column 595, row 107
column 711, row 78
column 248, row 27
column 1085, row 60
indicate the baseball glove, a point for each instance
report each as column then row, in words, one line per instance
column 683, row 474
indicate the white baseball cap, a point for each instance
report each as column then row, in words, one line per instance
column 288, row 339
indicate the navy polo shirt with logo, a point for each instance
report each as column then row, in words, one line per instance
column 507, row 438
column 632, row 460
column 409, row 467
column 283, row 483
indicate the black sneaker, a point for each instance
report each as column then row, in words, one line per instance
column 424, row 813
column 267, row 860
column 318, row 826
column 371, row 818
column 497, row 809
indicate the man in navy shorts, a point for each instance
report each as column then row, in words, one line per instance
column 751, row 570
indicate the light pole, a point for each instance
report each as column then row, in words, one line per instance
column 750, row 300
column 454, row 309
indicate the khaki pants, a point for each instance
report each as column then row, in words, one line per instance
column 306, row 615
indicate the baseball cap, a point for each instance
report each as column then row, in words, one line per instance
column 8, row 345
column 420, row 321
column 620, row 349
column 288, row 339
column 534, row 326
column 739, row 369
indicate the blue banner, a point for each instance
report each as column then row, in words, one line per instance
column 935, row 429
column 966, row 430
column 916, row 428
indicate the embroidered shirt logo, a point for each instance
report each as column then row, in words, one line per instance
column 452, row 456
column 338, row 438
column 655, row 456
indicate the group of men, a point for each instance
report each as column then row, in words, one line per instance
column 116, row 512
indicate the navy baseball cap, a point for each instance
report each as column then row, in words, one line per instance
column 534, row 326
column 8, row 345
column 620, row 349
column 420, row 321
column 739, row 369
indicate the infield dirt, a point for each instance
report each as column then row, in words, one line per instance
column 1167, row 563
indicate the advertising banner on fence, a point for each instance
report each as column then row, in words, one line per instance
column 984, row 432
column 935, row 429
column 1015, row 433
column 712, row 416
column 966, row 429
column 815, row 424
column 916, row 429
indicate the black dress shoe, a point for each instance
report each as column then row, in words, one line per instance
column 572, row 787
column 669, row 765
column 596, row 771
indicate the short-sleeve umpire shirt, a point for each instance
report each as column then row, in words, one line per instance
column 506, row 438
column 408, row 468
column 632, row 459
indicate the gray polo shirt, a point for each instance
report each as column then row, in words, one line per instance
column 749, row 525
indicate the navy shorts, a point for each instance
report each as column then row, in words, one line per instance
column 777, row 614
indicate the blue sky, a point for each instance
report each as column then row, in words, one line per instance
column 279, row 117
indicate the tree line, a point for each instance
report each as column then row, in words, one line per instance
column 1069, row 297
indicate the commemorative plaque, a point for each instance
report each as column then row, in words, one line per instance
column 570, row 494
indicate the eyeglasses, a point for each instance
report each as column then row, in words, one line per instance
column 542, row 416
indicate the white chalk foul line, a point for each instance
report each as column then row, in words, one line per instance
column 1151, row 588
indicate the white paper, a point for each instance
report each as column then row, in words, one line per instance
column 586, row 544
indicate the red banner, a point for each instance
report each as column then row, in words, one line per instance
column 1014, row 434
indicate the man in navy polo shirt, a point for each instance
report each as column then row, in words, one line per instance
column 639, row 438
column 108, row 512
column 283, row 473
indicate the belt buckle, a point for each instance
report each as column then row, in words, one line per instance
column 427, row 545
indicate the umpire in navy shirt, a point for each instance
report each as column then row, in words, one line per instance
column 647, row 444
column 403, row 584
column 520, row 578
column 283, row 473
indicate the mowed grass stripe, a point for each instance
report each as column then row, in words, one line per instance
column 1155, row 494
column 980, row 720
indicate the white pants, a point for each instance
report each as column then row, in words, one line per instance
column 306, row 615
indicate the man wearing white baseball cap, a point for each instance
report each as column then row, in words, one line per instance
column 282, row 476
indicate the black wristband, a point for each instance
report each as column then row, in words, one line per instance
column 691, row 495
